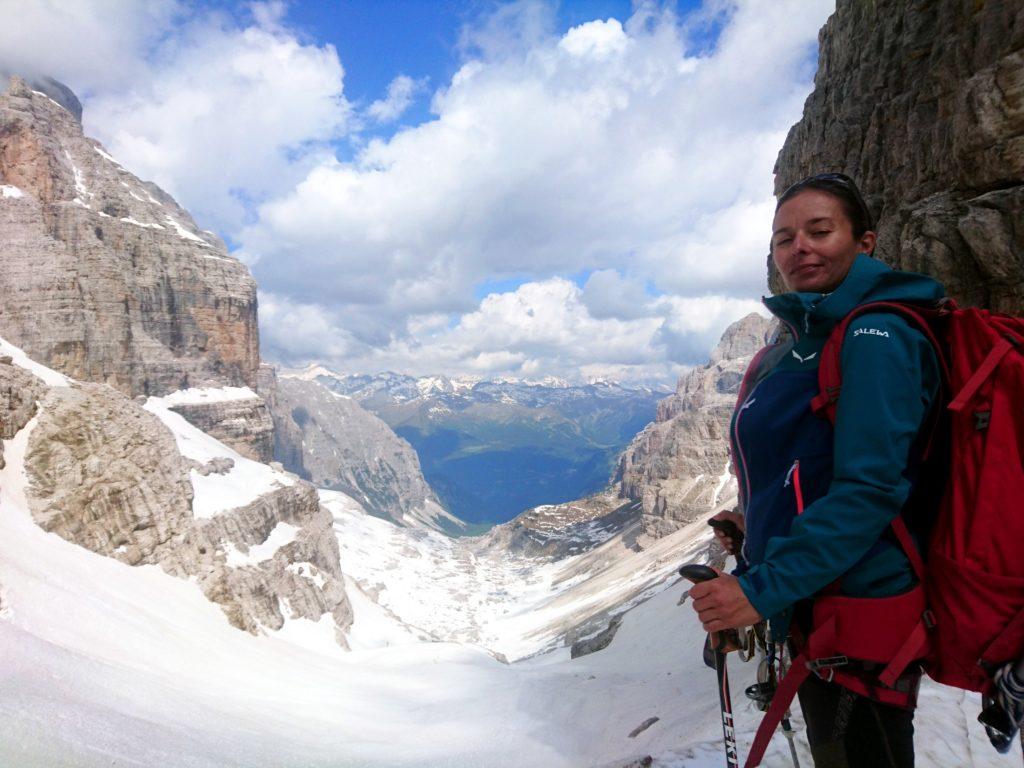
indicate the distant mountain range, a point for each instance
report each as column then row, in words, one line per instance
column 493, row 448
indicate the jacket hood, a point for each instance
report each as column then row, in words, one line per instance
column 868, row 280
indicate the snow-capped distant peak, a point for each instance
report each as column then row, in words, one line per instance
column 552, row 382
column 429, row 385
column 465, row 383
column 309, row 373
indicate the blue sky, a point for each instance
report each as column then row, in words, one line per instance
column 380, row 39
column 511, row 187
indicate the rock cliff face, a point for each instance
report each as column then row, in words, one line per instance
column 240, row 419
column 922, row 102
column 678, row 467
column 330, row 440
column 107, row 475
column 108, row 280
column 104, row 277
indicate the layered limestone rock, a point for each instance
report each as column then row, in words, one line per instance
column 923, row 104
column 104, row 277
column 236, row 416
column 677, row 468
column 299, row 579
column 107, row 475
column 330, row 440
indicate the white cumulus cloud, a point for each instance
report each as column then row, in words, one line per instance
column 222, row 112
column 399, row 98
column 618, row 149
column 632, row 157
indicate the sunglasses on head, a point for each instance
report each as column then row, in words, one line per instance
column 836, row 179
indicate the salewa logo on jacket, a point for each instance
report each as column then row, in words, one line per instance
column 871, row 332
column 804, row 359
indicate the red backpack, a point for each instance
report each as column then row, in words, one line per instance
column 966, row 617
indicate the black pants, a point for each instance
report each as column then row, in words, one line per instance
column 846, row 730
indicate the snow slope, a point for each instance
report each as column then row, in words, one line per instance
column 137, row 666
column 106, row 664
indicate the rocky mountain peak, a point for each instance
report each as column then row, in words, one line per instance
column 677, row 468
column 741, row 339
column 105, row 277
column 52, row 89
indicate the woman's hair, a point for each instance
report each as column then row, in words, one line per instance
column 842, row 187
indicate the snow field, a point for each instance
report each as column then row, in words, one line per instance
column 108, row 664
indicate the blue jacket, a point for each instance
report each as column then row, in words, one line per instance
column 852, row 481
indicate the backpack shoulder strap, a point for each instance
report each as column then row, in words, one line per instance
column 830, row 368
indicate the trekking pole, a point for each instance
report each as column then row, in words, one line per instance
column 763, row 691
column 697, row 574
column 787, row 726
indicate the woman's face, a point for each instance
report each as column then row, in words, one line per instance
column 813, row 244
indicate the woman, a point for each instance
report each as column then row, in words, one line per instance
column 818, row 501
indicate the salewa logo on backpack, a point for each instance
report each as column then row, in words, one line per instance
column 871, row 332
column 804, row 359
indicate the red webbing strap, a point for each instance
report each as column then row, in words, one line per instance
column 899, row 527
column 781, row 700
column 914, row 647
column 995, row 355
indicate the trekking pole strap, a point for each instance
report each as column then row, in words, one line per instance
column 784, row 695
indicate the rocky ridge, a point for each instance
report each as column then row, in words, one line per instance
column 562, row 530
column 922, row 103
column 334, row 443
column 104, row 277
column 677, row 468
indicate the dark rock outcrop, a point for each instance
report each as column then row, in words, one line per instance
column 597, row 642
column 922, row 102
column 19, row 391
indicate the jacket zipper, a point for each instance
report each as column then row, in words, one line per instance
column 742, row 464
column 793, row 477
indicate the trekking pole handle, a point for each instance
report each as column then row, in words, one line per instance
column 697, row 573
column 730, row 529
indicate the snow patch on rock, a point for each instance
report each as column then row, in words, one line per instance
column 245, row 482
